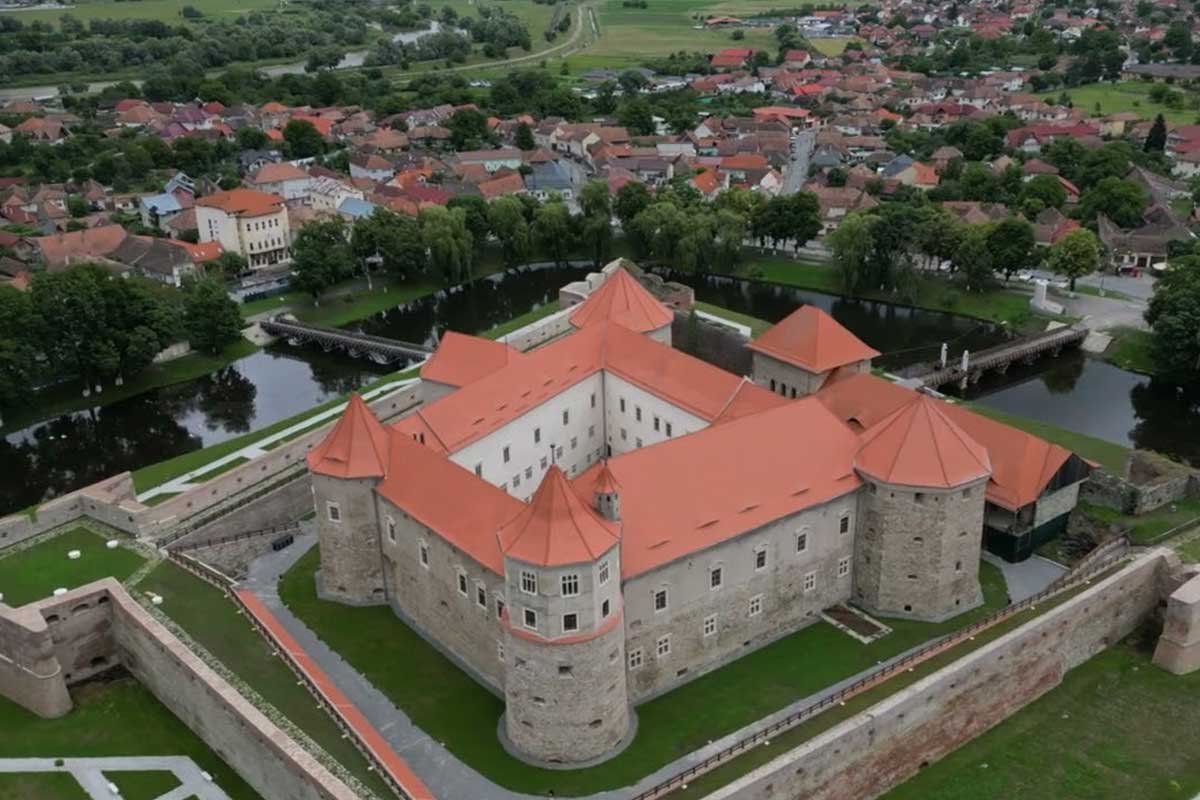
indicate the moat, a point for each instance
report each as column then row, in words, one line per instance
column 60, row 454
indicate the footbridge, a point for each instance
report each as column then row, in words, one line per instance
column 1026, row 351
column 359, row 345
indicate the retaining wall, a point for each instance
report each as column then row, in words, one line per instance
column 719, row 345
column 874, row 751
column 1150, row 482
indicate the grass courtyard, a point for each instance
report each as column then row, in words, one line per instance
column 35, row 572
column 213, row 621
column 454, row 709
column 41, row 785
column 143, row 785
column 114, row 718
column 1118, row 727
column 1124, row 96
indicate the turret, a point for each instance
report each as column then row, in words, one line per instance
column 345, row 467
column 564, row 686
column 607, row 495
column 917, row 550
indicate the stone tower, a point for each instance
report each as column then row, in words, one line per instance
column 564, row 686
column 345, row 467
column 920, row 530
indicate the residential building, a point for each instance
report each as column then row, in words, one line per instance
column 249, row 223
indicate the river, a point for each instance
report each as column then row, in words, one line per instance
column 73, row 450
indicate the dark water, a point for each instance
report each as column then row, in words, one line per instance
column 73, row 450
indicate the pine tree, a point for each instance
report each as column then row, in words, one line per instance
column 1156, row 140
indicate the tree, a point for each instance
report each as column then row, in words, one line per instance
column 524, row 137
column 657, row 230
column 321, row 256
column 320, row 58
column 1011, row 242
column 552, row 230
column 632, row 82
column 392, row 240
column 475, row 209
column 468, row 129
column 595, row 225
column 1075, row 255
column 974, row 258
column 1174, row 317
column 211, row 318
column 446, row 237
column 250, row 138
column 1121, row 201
column 636, row 116
column 852, row 244
column 506, row 218
column 301, row 139
column 788, row 218
column 632, row 199
column 729, row 234
column 1047, row 189
column 18, row 344
column 1156, row 139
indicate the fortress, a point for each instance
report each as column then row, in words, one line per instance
column 592, row 523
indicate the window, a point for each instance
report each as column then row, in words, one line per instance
column 756, row 605
column 604, row 609
column 635, row 658
column 622, row 405
column 423, row 550
column 570, row 623
column 624, row 435
column 843, row 566
column 637, row 413
column 506, row 453
column 529, row 473
column 530, row 619
column 660, row 600
column 802, row 542
column 657, row 423
column 760, row 559
column 566, row 417
column 919, row 497
column 638, row 441
column 591, row 431
column 480, row 595
column 668, row 430
column 662, row 647
column 570, row 585
column 714, row 578
column 462, row 583
column 479, row 470
column 810, row 581
column 558, row 452
column 574, row 442
column 602, row 578
column 844, row 524
column 528, row 582
column 500, row 651
column 537, row 435
column 593, row 399
column 391, row 528
column 516, row 480
column 958, row 566
column 499, row 608
column 545, row 463
column 710, row 625
column 334, row 511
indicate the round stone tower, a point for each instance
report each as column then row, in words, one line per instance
column 346, row 466
column 564, row 686
column 921, row 527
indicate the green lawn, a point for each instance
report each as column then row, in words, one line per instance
column 757, row 326
column 165, row 10
column 1147, row 527
column 1124, row 96
column 67, row 398
column 505, row 328
column 147, row 785
column 116, row 718
column 1117, row 728
column 1190, row 551
column 221, row 470
column 454, row 709
column 34, row 573
column 1130, row 349
column 214, row 622
column 41, row 786
column 1109, row 455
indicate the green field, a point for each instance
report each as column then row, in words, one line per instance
column 213, row 621
column 35, row 572
column 1117, row 728
column 1130, row 349
column 1125, row 96
column 454, row 709
column 165, row 10
column 116, row 718
column 143, row 785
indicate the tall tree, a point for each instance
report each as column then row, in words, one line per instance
column 974, row 258
column 595, row 228
column 524, row 137
column 449, row 243
column 321, row 256
column 1011, row 242
column 1156, row 139
column 18, row 345
column 211, row 319
column 392, row 240
column 302, row 140
column 1174, row 317
column 1121, row 201
column 1075, row 255
column 852, row 244
column 552, row 230
column 506, row 218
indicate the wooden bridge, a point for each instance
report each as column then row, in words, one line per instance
column 1027, row 350
column 359, row 345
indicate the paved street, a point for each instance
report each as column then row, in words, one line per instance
column 90, row 772
column 797, row 170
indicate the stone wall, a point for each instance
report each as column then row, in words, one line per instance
column 870, row 753
column 30, row 676
column 719, row 345
column 540, row 332
column 286, row 504
column 232, row 557
column 1150, row 482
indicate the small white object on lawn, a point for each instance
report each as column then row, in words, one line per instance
column 111, row 544
column 73, row 554
column 59, row 592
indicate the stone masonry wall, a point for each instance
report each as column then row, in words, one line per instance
column 718, row 345
column 870, row 753
column 233, row 558
column 30, row 675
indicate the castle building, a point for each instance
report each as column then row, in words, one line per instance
column 594, row 522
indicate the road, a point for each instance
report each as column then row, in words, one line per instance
column 797, row 170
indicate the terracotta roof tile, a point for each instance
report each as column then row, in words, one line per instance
column 461, row 359
column 557, row 528
column 243, row 202
column 918, row 445
column 357, row 447
column 623, row 300
column 812, row 340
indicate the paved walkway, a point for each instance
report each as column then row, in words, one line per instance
column 90, row 772
column 1028, row 577
column 258, row 448
column 445, row 774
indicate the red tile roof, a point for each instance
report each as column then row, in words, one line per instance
column 461, row 359
column 276, row 173
column 357, row 447
column 557, row 528
column 812, row 340
column 243, row 202
column 918, row 445
column 623, row 300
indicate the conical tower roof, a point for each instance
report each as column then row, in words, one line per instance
column 606, row 482
column 557, row 528
column 918, row 445
column 624, row 301
column 357, row 447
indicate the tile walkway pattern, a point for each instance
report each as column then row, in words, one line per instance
column 90, row 773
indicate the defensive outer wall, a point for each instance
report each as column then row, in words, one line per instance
column 872, row 752
column 57, row 642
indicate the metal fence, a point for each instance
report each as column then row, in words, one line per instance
column 873, row 679
column 287, row 527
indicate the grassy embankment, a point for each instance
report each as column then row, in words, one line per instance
column 1130, row 349
column 454, row 709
